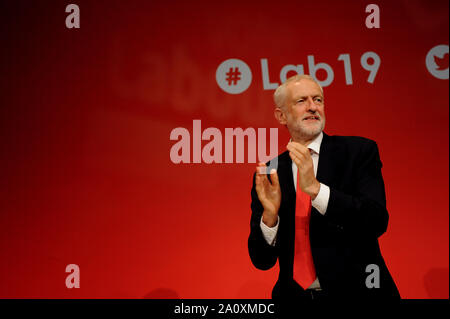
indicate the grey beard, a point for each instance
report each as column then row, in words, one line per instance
column 299, row 132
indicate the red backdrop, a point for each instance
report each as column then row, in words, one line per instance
column 86, row 116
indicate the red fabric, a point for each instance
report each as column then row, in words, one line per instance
column 304, row 271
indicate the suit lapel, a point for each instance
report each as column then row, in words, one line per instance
column 285, row 176
column 287, row 208
column 325, row 166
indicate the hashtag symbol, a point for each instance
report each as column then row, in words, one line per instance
column 233, row 76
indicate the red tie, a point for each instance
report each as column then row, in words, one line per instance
column 304, row 272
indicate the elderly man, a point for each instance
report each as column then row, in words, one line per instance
column 321, row 212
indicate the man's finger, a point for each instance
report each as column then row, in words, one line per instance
column 261, row 174
column 295, row 159
column 257, row 179
column 259, row 185
column 262, row 169
column 298, row 153
column 274, row 178
column 299, row 147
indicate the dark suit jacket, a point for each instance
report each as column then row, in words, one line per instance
column 344, row 241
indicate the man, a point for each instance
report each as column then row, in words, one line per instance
column 321, row 212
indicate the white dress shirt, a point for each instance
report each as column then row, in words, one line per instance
column 320, row 202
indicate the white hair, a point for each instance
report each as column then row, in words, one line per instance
column 280, row 93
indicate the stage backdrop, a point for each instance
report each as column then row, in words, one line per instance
column 91, row 95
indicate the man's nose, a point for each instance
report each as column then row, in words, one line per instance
column 311, row 105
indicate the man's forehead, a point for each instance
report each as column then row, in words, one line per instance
column 303, row 87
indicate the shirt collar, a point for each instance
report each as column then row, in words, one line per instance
column 315, row 144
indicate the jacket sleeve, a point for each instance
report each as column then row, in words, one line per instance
column 364, row 211
column 262, row 255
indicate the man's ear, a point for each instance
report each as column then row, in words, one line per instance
column 279, row 115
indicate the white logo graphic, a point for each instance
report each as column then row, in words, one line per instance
column 437, row 61
column 233, row 76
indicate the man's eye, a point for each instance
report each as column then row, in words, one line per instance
column 300, row 101
column 318, row 99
